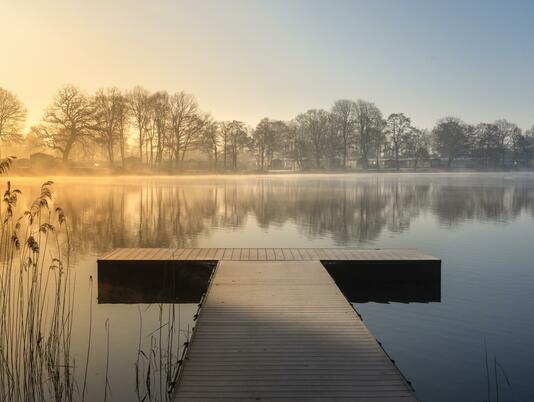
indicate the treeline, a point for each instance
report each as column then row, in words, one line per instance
column 161, row 130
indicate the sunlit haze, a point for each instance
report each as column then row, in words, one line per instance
column 249, row 59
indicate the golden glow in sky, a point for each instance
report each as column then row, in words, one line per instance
column 250, row 59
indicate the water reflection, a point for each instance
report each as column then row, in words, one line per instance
column 487, row 274
column 349, row 209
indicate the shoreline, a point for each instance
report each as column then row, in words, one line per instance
column 309, row 173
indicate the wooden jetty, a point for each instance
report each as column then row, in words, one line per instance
column 267, row 254
column 274, row 326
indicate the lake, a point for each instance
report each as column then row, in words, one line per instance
column 480, row 225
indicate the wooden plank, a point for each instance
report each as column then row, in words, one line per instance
column 286, row 252
column 270, row 256
column 203, row 254
column 299, row 255
column 227, row 254
column 304, row 254
column 253, row 255
column 159, row 252
column 126, row 252
column 186, row 254
column 117, row 255
column 111, row 255
column 211, row 253
column 312, row 253
column 348, row 253
column 195, row 255
column 177, row 253
column 329, row 253
column 283, row 330
column 262, row 255
column 320, row 253
column 122, row 253
column 337, row 253
column 134, row 252
column 151, row 253
column 236, row 254
column 148, row 253
column 167, row 254
column 219, row 254
column 145, row 255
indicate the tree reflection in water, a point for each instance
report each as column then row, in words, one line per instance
column 351, row 209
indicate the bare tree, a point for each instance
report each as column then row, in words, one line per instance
column 314, row 123
column 368, row 125
column 140, row 111
column 267, row 140
column 209, row 140
column 192, row 137
column 70, row 120
column 295, row 143
column 237, row 139
column 185, row 124
column 398, row 127
column 261, row 137
column 12, row 117
column 485, row 142
column 523, row 145
column 333, row 140
column 33, row 142
column 417, row 145
column 378, row 141
column 344, row 119
column 160, row 122
column 451, row 137
column 505, row 133
column 111, row 115
column 225, row 130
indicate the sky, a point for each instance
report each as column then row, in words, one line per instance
column 250, row 59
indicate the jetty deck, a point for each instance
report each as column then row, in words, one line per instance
column 266, row 254
column 275, row 326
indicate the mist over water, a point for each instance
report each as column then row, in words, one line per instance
column 479, row 224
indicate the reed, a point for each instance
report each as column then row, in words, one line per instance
column 497, row 367
column 36, row 300
column 157, row 366
column 37, row 296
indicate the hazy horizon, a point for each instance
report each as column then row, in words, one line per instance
column 248, row 60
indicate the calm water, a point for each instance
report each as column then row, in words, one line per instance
column 481, row 225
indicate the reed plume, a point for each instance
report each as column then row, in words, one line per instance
column 36, row 300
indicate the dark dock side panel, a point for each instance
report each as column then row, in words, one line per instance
column 130, row 282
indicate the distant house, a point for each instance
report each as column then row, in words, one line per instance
column 282, row 164
column 406, row 163
column 353, row 163
column 40, row 160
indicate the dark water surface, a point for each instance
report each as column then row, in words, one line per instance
column 481, row 225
